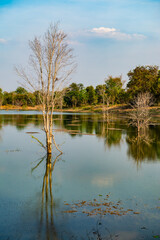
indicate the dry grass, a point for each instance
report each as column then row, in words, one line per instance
column 88, row 108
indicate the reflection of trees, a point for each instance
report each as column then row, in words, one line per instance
column 143, row 145
column 75, row 124
column 20, row 121
column 0, row 129
column 47, row 229
column 108, row 129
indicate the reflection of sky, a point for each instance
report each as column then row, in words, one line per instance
column 109, row 37
column 102, row 181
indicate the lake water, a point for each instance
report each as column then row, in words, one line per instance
column 105, row 185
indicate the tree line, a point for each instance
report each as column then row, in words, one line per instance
column 141, row 79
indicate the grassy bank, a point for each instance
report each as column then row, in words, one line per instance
column 88, row 108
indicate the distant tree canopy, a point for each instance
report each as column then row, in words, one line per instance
column 144, row 79
column 20, row 97
column 141, row 79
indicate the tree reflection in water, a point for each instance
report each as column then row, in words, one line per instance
column 111, row 131
column 47, row 229
column 142, row 146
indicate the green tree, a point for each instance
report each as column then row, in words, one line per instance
column 75, row 95
column 82, row 95
column 114, row 88
column 31, row 99
column 91, row 95
column 1, row 96
column 37, row 96
column 71, row 97
column 24, row 98
column 20, row 99
column 99, row 89
column 143, row 79
column 8, row 98
column 156, row 87
column 21, row 90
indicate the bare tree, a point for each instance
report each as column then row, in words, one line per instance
column 139, row 117
column 59, row 100
column 105, row 101
column 50, row 66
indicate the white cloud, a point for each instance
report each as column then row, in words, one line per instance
column 106, row 32
column 2, row 40
column 103, row 30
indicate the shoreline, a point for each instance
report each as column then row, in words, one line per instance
column 85, row 109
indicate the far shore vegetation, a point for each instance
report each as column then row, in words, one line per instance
column 76, row 97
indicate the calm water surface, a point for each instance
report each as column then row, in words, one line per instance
column 106, row 185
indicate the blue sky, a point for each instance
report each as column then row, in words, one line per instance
column 108, row 37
